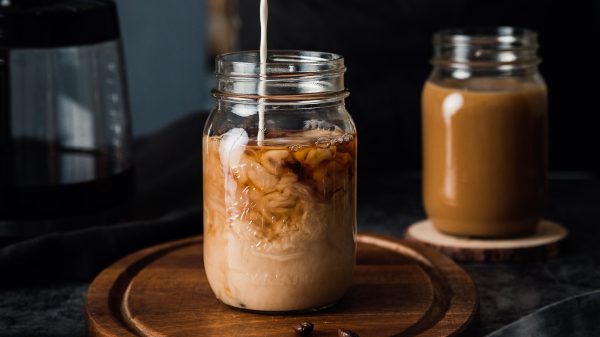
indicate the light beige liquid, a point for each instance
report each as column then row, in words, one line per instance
column 484, row 151
column 279, row 218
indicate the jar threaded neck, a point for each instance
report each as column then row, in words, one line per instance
column 289, row 73
column 486, row 47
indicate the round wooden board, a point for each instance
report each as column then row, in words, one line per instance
column 400, row 288
column 542, row 244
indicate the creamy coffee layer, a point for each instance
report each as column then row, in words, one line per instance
column 279, row 218
column 484, row 155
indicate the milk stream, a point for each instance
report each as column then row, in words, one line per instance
column 264, row 16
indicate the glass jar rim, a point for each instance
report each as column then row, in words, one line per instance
column 281, row 63
column 502, row 37
column 486, row 47
column 289, row 74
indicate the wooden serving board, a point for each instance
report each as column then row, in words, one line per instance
column 400, row 288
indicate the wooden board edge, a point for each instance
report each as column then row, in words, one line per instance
column 442, row 270
column 99, row 322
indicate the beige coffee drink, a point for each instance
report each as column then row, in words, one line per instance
column 279, row 218
column 484, row 109
column 484, row 148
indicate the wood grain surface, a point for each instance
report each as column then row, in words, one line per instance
column 400, row 288
column 540, row 245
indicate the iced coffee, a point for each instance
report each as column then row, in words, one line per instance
column 484, row 148
column 279, row 230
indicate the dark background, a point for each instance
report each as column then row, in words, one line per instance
column 387, row 47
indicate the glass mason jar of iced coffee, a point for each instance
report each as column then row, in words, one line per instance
column 279, row 163
column 484, row 116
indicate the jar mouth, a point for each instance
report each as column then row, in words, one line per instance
column 288, row 73
column 279, row 63
column 485, row 46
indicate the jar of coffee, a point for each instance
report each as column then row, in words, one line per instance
column 484, row 110
column 279, row 164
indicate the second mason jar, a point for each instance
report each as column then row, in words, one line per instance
column 279, row 165
column 484, row 133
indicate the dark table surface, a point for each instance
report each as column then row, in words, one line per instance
column 507, row 290
column 387, row 204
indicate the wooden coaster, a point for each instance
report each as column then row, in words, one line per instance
column 542, row 244
column 399, row 288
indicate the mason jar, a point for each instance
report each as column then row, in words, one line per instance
column 279, row 165
column 484, row 111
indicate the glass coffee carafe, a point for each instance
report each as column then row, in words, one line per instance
column 65, row 133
